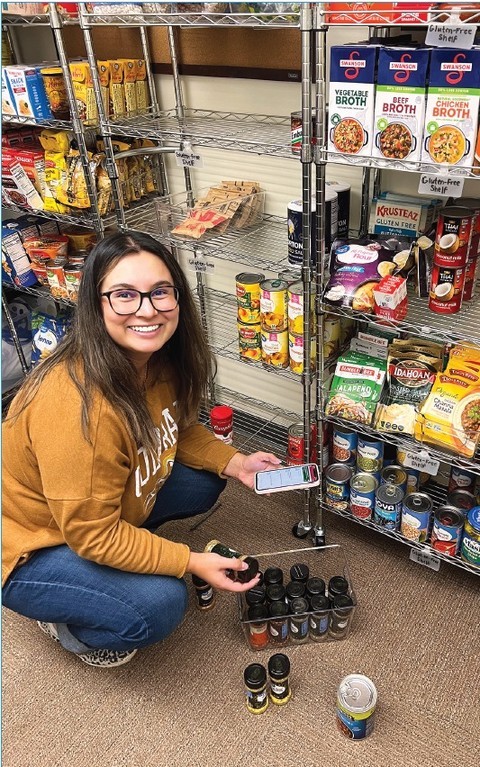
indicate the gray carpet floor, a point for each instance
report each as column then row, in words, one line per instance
column 415, row 634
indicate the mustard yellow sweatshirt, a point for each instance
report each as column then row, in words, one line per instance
column 58, row 488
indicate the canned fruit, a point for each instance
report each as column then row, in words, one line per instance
column 275, row 348
column 248, row 297
column 295, row 308
column 273, row 305
column 295, row 353
column 250, row 341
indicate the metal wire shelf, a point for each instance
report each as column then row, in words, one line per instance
column 431, row 168
column 80, row 220
column 47, row 123
column 193, row 19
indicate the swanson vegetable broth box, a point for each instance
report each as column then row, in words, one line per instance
column 351, row 101
column 452, row 108
column 400, row 105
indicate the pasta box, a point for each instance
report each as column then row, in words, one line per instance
column 400, row 104
column 351, row 101
column 451, row 118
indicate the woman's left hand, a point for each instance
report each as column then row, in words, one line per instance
column 244, row 467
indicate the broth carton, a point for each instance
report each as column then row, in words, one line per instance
column 351, row 101
column 400, row 105
column 452, row 109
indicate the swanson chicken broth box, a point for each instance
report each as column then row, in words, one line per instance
column 451, row 118
column 400, row 104
column 351, row 101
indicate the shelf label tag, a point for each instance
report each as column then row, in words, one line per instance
column 441, row 186
column 451, row 35
column 425, row 558
column 188, row 159
column 421, row 462
column 199, row 264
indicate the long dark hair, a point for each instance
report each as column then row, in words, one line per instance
column 96, row 363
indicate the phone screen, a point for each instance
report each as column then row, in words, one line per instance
column 290, row 475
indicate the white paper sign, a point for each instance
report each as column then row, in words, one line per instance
column 188, row 159
column 451, row 35
column 421, row 462
column 425, row 558
column 441, row 186
column 199, row 264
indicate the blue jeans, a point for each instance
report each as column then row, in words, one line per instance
column 99, row 607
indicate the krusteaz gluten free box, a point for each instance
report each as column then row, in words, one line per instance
column 452, row 108
column 351, row 101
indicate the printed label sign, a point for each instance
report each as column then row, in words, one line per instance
column 426, row 559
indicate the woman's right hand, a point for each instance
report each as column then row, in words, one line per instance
column 213, row 569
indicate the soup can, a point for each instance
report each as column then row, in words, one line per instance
column 447, row 530
column 452, row 238
column 461, row 479
column 274, row 349
column 337, row 481
column 462, row 500
column 250, row 341
column 416, row 516
column 247, row 287
column 355, row 710
column 369, row 454
column 296, row 442
column 470, row 547
column 394, row 475
column 388, row 507
column 344, row 445
column 362, row 495
column 273, row 305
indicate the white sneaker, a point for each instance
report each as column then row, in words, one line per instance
column 99, row 658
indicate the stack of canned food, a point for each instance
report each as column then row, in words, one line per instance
column 306, row 607
column 368, row 479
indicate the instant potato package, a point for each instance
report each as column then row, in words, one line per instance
column 450, row 416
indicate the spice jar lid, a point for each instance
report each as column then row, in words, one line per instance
column 299, row 606
column 278, row 609
column 279, row 666
column 255, row 676
column 273, row 575
column 319, row 602
column 337, row 585
column 199, row 581
column 255, row 596
column 315, row 586
column 246, row 575
column 257, row 613
column 295, row 589
column 342, row 602
column 299, row 572
column 275, row 592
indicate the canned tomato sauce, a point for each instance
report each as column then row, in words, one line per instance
column 356, row 701
column 248, row 297
column 416, row 515
column 470, row 548
column 447, row 530
column 362, row 495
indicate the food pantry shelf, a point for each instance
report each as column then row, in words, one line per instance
column 82, row 219
column 38, row 123
column 404, row 165
column 260, row 134
column 193, row 19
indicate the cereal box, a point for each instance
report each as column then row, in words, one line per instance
column 28, row 91
column 351, row 102
column 452, row 108
column 400, row 104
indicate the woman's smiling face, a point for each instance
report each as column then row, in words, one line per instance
column 147, row 330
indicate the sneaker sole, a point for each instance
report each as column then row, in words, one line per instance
column 100, row 663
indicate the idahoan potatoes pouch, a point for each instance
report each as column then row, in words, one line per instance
column 450, row 416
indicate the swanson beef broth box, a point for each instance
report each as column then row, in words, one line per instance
column 451, row 118
column 400, row 105
column 351, row 101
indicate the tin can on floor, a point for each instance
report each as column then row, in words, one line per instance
column 447, row 530
column 355, row 710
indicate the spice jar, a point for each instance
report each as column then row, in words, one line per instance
column 299, row 621
column 340, row 616
column 255, row 677
column 272, row 575
column 315, row 587
column 243, row 576
column 278, row 623
column 255, row 596
column 205, row 593
column 299, row 572
column 279, row 671
column 336, row 586
column 294, row 590
column 318, row 618
column 258, row 630
column 276, row 593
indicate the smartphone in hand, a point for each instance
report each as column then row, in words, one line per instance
column 287, row 478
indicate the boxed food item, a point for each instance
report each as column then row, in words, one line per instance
column 453, row 101
column 15, row 260
column 103, row 68
column 356, row 387
column 117, row 88
column 22, row 177
column 390, row 297
column 8, row 101
column 83, row 90
column 130, row 84
column 400, row 104
column 401, row 215
column 369, row 13
column 141, row 86
column 28, row 91
column 351, row 101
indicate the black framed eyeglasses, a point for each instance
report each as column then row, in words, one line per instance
column 128, row 301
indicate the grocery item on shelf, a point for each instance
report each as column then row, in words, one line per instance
column 351, row 101
column 296, row 346
column 247, row 290
column 8, row 101
column 343, row 191
column 47, row 331
column 275, row 348
column 461, row 479
column 296, row 130
column 453, row 101
column 16, row 265
column 400, row 104
column 465, row 11
column 274, row 305
column 416, row 517
column 83, row 90
column 56, row 91
column 356, row 387
column 22, row 169
column 390, row 298
column 295, row 227
column 28, row 91
column 400, row 214
column 23, row 9
column 447, row 530
column 470, row 546
column 250, row 341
